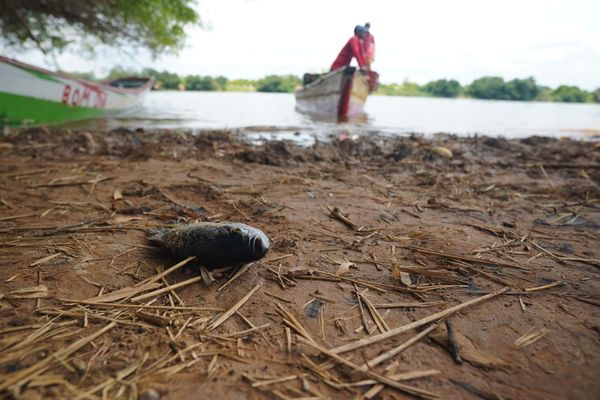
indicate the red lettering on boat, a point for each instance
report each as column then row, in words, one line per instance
column 66, row 93
column 85, row 97
column 100, row 99
column 76, row 97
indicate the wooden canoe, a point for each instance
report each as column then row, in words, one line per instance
column 33, row 96
column 341, row 93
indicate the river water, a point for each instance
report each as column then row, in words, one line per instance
column 273, row 115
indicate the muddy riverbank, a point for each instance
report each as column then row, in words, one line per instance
column 368, row 235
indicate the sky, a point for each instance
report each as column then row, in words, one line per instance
column 555, row 41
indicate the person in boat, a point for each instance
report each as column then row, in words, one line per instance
column 369, row 46
column 354, row 48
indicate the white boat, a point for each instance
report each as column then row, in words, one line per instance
column 341, row 93
column 32, row 96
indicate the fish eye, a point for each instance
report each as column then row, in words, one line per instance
column 236, row 230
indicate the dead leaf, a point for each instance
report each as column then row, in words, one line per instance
column 405, row 278
column 402, row 275
column 344, row 268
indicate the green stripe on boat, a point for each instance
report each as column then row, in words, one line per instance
column 21, row 110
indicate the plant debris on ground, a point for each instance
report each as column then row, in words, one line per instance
column 399, row 267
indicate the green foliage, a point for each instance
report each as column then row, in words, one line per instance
column 521, row 89
column 120, row 72
column 49, row 25
column 483, row 88
column 404, row 89
column 544, row 94
column 277, row 83
column 494, row 87
column 488, row 87
column 241, row 85
column 205, row 83
column 443, row 88
column 164, row 80
column 570, row 94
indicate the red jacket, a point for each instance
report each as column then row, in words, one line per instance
column 352, row 49
column 369, row 48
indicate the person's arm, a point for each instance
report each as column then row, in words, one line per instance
column 357, row 52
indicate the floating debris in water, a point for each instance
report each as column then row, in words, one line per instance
column 214, row 244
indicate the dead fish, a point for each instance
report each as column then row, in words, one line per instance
column 214, row 244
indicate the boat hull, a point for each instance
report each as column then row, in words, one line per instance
column 341, row 93
column 32, row 96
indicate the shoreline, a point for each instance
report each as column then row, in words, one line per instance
column 75, row 205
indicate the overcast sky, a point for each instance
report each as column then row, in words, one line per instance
column 556, row 41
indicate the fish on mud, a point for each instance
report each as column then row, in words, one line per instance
column 214, row 244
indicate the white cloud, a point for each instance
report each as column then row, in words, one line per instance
column 556, row 41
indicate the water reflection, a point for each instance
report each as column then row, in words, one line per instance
column 361, row 119
column 273, row 115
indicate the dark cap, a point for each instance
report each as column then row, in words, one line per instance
column 360, row 28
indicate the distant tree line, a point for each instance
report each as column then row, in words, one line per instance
column 488, row 87
column 169, row 81
column 494, row 88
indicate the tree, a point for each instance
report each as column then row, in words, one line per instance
column 488, row 87
column 569, row 94
column 596, row 94
column 404, row 89
column 205, row 83
column 164, row 80
column 241, row 85
column 443, row 88
column 196, row 82
column 521, row 89
column 120, row 72
column 221, row 82
column 49, row 25
column 276, row 83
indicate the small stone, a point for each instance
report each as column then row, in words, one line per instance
column 313, row 309
column 150, row 394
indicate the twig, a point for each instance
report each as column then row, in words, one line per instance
column 23, row 376
column 123, row 305
column 335, row 213
column 464, row 258
column 424, row 321
column 397, row 350
column 424, row 394
column 166, row 289
column 530, row 337
column 12, row 217
column 224, row 316
column 544, row 287
column 238, row 273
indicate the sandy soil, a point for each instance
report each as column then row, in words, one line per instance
column 425, row 232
